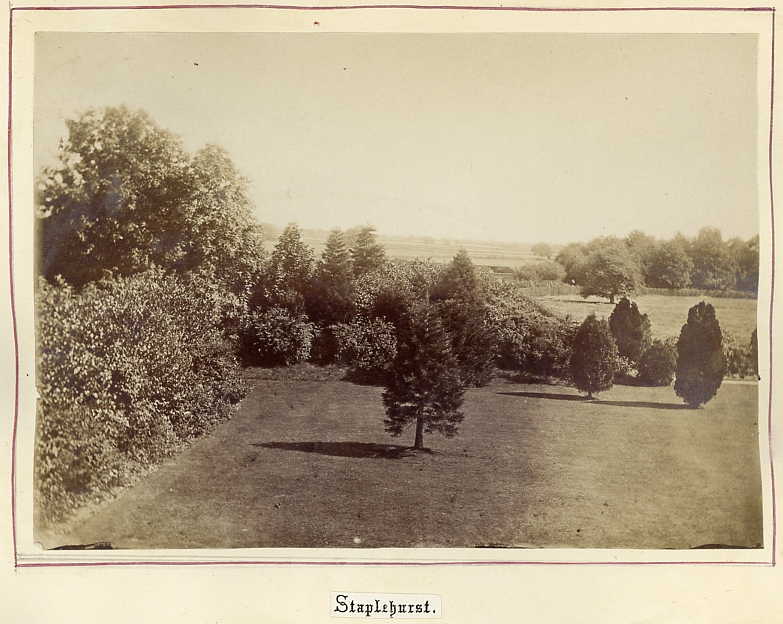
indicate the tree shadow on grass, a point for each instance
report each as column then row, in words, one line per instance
column 361, row 450
column 547, row 395
column 575, row 397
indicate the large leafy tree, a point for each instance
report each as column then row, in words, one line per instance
column 594, row 358
column 714, row 266
column 701, row 363
column 641, row 246
column 608, row 269
column 424, row 386
column 631, row 330
column 124, row 195
column 542, row 249
column 746, row 255
column 572, row 258
column 669, row 265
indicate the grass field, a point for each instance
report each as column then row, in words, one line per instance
column 306, row 463
column 667, row 314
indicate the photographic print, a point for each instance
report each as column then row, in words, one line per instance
column 353, row 290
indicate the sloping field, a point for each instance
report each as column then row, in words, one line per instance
column 307, row 464
column 667, row 313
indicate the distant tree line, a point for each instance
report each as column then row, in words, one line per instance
column 613, row 267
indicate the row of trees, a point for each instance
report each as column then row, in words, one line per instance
column 611, row 267
column 697, row 361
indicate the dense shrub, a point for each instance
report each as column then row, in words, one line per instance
column 658, row 363
column 388, row 292
column 739, row 356
column 526, row 338
column 128, row 369
column 368, row 347
column 540, row 272
column 278, row 336
column 466, row 323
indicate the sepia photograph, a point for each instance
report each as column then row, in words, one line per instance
column 398, row 290
column 462, row 313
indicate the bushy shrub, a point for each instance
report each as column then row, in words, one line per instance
column 466, row 324
column 367, row 346
column 540, row 272
column 739, row 357
column 658, row 363
column 128, row 369
column 278, row 336
column 527, row 338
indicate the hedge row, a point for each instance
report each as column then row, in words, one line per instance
column 128, row 370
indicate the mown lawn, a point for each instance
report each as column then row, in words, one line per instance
column 667, row 314
column 306, row 463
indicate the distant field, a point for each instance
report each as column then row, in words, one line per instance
column 667, row 314
column 306, row 463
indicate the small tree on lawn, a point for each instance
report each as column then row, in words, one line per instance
column 631, row 330
column 424, row 386
column 594, row 358
column 701, row 363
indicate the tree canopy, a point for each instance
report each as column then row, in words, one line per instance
column 125, row 195
column 608, row 270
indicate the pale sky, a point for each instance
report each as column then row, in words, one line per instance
column 508, row 137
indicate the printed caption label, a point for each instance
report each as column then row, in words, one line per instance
column 385, row 606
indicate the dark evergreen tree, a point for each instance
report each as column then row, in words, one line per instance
column 460, row 304
column 594, row 358
column 424, row 386
column 466, row 322
column 754, row 352
column 367, row 253
column 701, row 363
column 631, row 330
column 331, row 297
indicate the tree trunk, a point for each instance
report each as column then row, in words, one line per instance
column 418, row 444
column 611, row 298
